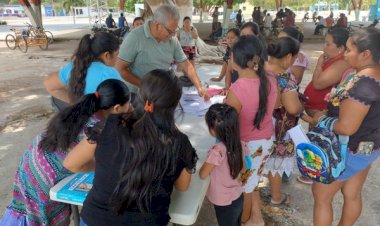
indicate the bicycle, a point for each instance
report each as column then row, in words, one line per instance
column 16, row 41
column 22, row 39
column 48, row 34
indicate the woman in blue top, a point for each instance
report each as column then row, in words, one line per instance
column 92, row 63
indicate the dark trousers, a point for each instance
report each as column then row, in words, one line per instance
column 318, row 28
column 230, row 215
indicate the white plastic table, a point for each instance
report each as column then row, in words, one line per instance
column 185, row 206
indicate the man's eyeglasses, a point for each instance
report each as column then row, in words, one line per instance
column 171, row 33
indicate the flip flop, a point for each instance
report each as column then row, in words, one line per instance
column 284, row 201
column 304, row 180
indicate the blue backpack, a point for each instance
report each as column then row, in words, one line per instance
column 324, row 158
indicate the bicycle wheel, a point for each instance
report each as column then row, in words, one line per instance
column 49, row 36
column 10, row 40
column 22, row 45
column 43, row 39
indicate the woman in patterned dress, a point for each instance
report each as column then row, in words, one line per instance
column 281, row 56
column 41, row 164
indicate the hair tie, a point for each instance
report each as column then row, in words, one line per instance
column 148, row 107
column 96, row 94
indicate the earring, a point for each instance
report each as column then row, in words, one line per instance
column 256, row 66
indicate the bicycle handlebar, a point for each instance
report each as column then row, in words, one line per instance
column 31, row 26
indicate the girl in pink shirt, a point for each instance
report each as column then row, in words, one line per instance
column 253, row 95
column 224, row 164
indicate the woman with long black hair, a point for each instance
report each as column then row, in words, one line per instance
column 253, row 96
column 288, row 107
column 41, row 165
column 137, row 160
column 92, row 63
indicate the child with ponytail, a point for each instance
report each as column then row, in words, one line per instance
column 92, row 63
column 41, row 166
column 139, row 158
column 253, row 96
column 288, row 108
column 224, row 164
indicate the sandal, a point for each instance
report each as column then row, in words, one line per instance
column 304, row 180
column 284, row 201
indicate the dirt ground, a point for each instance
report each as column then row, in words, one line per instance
column 26, row 109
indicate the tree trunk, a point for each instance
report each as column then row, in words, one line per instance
column 277, row 4
column 121, row 5
column 226, row 17
column 185, row 8
column 147, row 11
column 73, row 11
column 360, row 4
column 201, row 11
column 33, row 11
column 356, row 9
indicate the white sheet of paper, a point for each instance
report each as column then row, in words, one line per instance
column 298, row 135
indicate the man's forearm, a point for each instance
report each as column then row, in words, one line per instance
column 123, row 68
column 130, row 77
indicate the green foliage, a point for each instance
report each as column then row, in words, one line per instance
column 207, row 4
column 112, row 3
column 10, row 2
column 130, row 5
column 266, row 4
column 67, row 4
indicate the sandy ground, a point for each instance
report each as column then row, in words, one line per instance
column 26, row 109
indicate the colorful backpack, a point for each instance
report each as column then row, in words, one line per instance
column 324, row 158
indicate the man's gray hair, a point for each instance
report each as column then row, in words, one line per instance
column 165, row 13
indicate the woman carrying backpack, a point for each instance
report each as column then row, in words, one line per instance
column 359, row 91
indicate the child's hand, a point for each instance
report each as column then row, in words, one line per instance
column 202, row 92
column 321, row 60
column 317, row 116
column 305, row 117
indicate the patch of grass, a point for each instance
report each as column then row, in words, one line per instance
column 2, row 22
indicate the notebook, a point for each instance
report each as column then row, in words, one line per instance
column 76, row 189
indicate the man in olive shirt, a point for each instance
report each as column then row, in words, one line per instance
column 154, row 46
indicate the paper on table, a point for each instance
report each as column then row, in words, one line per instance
column 298, row 135
column 196, row 105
